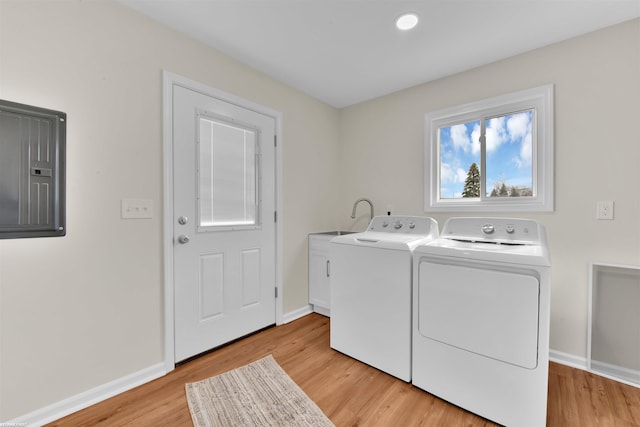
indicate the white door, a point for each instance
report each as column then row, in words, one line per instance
column 224, row 225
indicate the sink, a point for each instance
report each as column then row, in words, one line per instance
column 335, row 233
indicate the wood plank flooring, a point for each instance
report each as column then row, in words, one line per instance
column 349, row 392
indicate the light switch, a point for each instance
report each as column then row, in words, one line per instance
column 605, row 210
column 137, row 208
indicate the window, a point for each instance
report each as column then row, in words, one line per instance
column 228, row 179
column 491, row 155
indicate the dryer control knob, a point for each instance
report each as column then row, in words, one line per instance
column 510, row 229
column 488, row 228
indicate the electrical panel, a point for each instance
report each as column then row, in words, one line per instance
column 32, row 171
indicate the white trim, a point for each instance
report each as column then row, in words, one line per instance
column 298, row 313
column 617, row 373
column 322, row 310
column 90, row 397
column 589, row 315
column 168, row 80
column 167, row 209
column 568, row 359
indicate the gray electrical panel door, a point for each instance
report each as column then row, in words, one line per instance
column 32, row 171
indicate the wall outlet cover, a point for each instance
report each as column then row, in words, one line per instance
column 605, row 210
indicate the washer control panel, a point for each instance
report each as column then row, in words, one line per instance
column 498, row 230
column 402, row 224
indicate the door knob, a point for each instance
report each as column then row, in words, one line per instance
column 183, row 239
column 183, row 220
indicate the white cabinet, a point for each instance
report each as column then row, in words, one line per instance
column 319, row 273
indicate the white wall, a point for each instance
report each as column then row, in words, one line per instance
column 79, row 311
column 597, row 150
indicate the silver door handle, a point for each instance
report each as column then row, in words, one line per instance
column 328, row 274
column 183, row 239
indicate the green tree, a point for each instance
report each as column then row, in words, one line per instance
column 472, row 183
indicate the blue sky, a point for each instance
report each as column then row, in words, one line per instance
column 509, row 153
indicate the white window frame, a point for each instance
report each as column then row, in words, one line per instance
column 539, row 99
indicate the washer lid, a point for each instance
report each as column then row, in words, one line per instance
column 383, row 240
column 393, row 232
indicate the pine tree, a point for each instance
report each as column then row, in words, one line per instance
column 472, row 183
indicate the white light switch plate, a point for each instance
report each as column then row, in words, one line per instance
column 137, row 208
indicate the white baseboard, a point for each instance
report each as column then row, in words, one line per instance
column 87, row 398
column 622, row 375
column 568, row 359
column 298, row 313
column 617, row 373
column 321, row 310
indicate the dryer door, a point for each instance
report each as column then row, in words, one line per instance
column 488, row 312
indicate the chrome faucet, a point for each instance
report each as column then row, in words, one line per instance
column 355, row 205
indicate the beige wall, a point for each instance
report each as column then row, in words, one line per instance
column 79, row 311
column 597, row 149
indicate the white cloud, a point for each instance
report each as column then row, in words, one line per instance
column 475, row 139
column 460, row 138
column 519, row 125
column 496, row 133
column 451, row 174
column 519, row 128
column 526, row 151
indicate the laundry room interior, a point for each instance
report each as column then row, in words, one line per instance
column 88, row 309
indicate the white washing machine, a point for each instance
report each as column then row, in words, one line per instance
column 370, row 276
column 481, row 318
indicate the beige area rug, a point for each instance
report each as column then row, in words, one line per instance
column 258, row 394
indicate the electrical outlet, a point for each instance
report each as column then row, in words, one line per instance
column 605, row 210
column 137, row 208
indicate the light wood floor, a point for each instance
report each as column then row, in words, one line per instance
column 349, row 392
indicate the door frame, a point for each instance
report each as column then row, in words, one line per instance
column 168, row 81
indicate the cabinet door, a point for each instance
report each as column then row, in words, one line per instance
column 319, row 271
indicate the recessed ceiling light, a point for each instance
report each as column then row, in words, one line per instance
column 407, row 21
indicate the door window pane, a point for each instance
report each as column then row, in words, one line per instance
column 227, row 174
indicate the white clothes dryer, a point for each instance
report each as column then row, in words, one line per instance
column 481, row 318
column 371, row 288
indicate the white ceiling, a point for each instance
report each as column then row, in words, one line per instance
column 348, row 51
